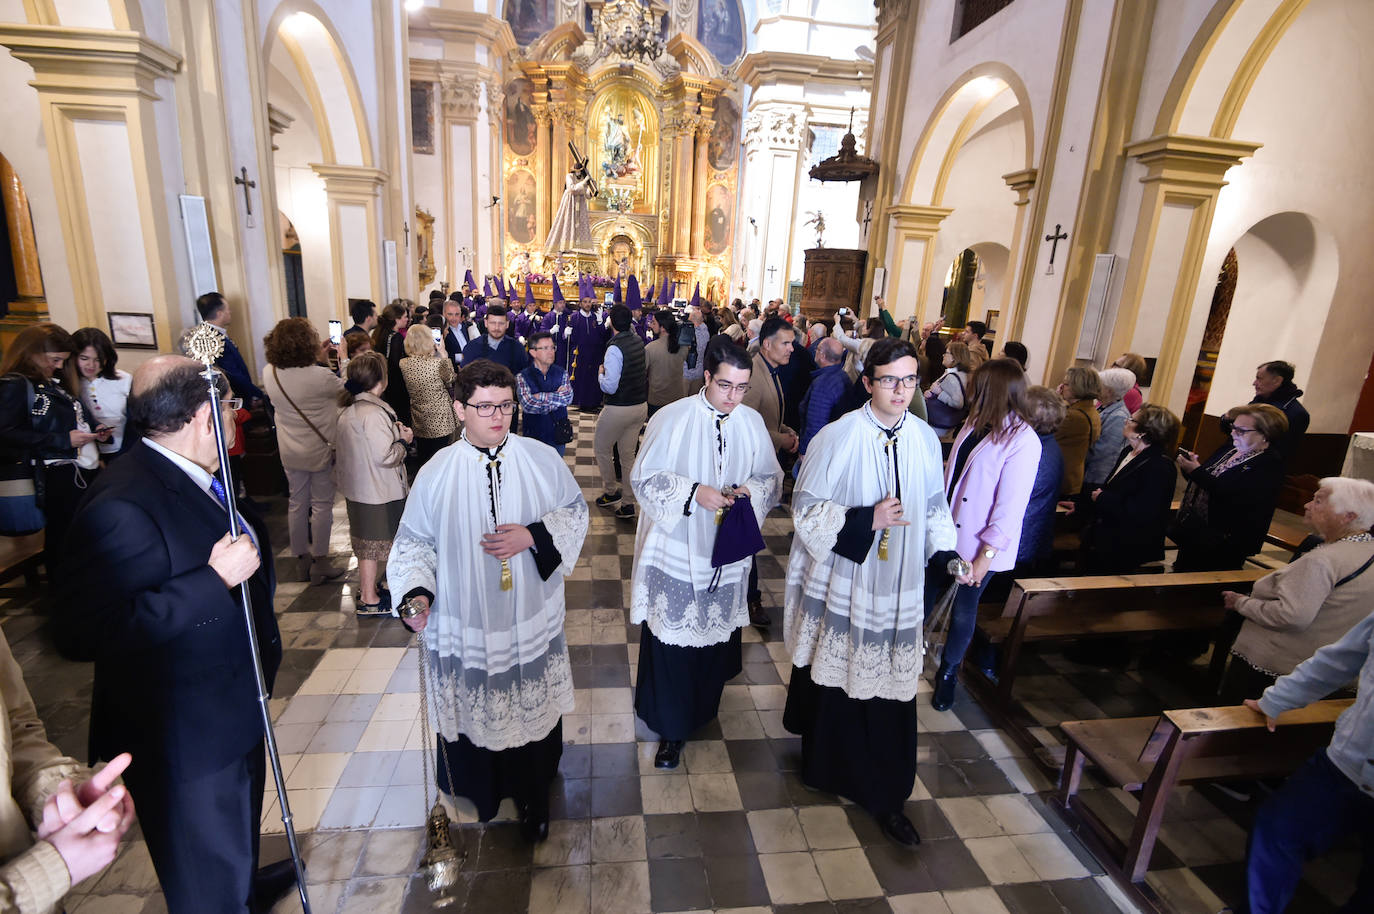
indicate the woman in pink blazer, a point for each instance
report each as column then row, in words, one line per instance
column 988, row 480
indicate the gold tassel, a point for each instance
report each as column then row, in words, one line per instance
column 882, row 543
column 441, row 863
column 506, row 581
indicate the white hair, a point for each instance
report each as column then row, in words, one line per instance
column 755, row 326
column 816, row 332
column 1117, row 380
column 1353, row 496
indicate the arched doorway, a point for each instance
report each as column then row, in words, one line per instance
column 292, row 266
column 1207, row 353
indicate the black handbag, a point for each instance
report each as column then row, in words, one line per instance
column 562, row 429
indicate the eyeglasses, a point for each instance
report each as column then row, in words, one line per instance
column 488, row 409
column 891, row 381
column 1238, row 430
column 233, row 403
column 726, row 387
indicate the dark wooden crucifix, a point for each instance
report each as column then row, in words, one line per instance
column 1058, row 236
column 247, row 184
column 406, row 226
column 868, row 206
column 771, row 271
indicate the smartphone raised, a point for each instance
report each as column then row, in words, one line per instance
column 437, row 334
column 336, row 332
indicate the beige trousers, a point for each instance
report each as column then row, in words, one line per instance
column 618, row 426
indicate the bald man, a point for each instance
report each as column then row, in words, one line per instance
column 155, row 604
column 824, row 401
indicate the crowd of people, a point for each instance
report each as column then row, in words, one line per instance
column 919, row 469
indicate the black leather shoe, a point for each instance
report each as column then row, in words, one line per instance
column 943, row 699
column 272, row 882
column 899, row 828
column 535, row 828
column 758, row 617
column 669, row 753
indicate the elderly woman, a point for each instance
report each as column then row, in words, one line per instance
column 1112, row 414
column 1082, row 426
column 306, row 396
column 988, row 479
column 427, row 378
column 1135, row 364
column 372, row 475
column 946, row 399
column 1129, row 512
column 1230, row 498
column 1312, row 602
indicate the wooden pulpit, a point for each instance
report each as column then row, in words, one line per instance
column 833, row 279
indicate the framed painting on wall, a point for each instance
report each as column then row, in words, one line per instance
column 129, row 330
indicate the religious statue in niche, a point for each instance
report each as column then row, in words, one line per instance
column 818, row 220
column 522, row 131
column 572, row 227
column 529, row 18
column 719, row 218
column 520, row 220
column 720, row 27
column 723, row 146
column 623, row 145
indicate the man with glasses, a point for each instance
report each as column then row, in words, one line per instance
column 544, row 392
column 869, row 511
column 699, row 455
column 491, row 528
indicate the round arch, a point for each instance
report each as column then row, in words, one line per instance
column 954, row 116
column 317, row 51
column 1219, row 67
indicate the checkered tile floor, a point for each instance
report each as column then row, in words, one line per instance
column 733, row 829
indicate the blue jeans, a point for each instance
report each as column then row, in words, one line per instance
column 1317, row 806
column 963, row 619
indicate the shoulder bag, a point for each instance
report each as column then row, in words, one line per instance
column 300, row 412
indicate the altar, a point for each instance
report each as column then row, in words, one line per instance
column 650, row 126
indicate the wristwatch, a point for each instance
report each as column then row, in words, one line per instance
column 411, row 608
column 989, row 553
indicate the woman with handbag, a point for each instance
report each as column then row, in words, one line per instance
column 1229, row 503
column 428, row 378
column 47, row 449
column 371, row 473
column 946, row 400
column 988, row 480
column 545, row 393
column 306, row 394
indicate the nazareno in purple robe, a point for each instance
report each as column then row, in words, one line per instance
column 587, row 351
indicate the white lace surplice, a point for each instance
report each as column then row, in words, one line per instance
column 672, row 570
column 859, row 626
column 499, row 670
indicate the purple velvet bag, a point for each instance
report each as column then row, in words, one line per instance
column 737, row 538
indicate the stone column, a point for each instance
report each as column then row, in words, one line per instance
column 773, row 136
column 1184, row 175
column 913, row 233
column 700, row 174
column 352, row 193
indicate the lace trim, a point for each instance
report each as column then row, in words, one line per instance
column 662, row 497
column 940, row 532
column 818, row 526
column 503, row 718
column 698, row 623
column 414, row 562
column 567, row 527
column 876, row 669
column 766, row 492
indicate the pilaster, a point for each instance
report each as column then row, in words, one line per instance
column 913, row 232
column 352, row 193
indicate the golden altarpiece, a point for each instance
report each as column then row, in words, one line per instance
column 646, row 100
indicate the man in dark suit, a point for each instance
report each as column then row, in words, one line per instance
column 455, row 334
column 214, row 310
column 364, row 314
column 154, row 602
column 496, row 345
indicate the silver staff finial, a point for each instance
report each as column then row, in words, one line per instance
column 205, row 344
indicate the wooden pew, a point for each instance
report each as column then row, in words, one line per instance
column 1073, row 608
column 1150, row 756
column 21, row 555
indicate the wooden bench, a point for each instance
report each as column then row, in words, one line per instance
column 1072, row 608
column 1152, row 755
column 21, row 555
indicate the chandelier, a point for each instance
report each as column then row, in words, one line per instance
column 619, row 199
column 638, row 34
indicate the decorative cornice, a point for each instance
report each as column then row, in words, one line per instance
column 461, row 96
column 90, row 61
column 1022, row 182
column 350, row 180
column 1196, row 161
column 458, row 25
column 278, row 121
column 919, row 221
column 773, row 67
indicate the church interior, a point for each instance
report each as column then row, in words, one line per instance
column 1087, row 177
